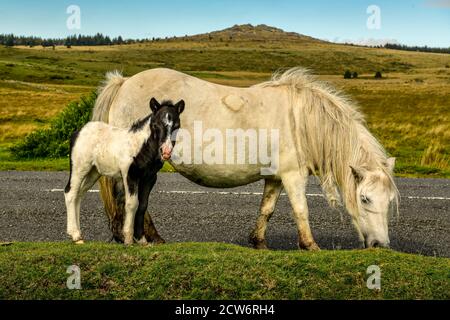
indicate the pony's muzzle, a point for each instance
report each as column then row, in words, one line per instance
column 376, row 244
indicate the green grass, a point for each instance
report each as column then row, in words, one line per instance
column 215, row 271
column 9, row 162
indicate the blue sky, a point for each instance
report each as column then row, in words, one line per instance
column 412, row 22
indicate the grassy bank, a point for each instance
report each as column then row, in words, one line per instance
column 215, row 271
column 8, row 162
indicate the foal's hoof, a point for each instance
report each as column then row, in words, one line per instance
column 81, row 241
column 128, row 242
column 142, row 241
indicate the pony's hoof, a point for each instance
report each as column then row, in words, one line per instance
column 309, row 247
column 81, row 241
column 156, row 240
column 258, row 243
column 261, row 246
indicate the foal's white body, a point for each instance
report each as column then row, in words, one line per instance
column 102, row 150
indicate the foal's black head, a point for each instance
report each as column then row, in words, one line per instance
column 164, row 123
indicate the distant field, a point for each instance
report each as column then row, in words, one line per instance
column 215, row 271
column 409, row 110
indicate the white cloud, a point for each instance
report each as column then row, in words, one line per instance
column 438, row 3
column 367, row 41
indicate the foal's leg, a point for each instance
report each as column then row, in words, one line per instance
column 131, row 205
column 295, row 186
column 86, row 183
column 272, row 190
column 72, row 197
column 145, row 187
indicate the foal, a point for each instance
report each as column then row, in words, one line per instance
column 134, row 155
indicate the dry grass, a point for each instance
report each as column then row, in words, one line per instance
column 26, row 106
column 435, row 156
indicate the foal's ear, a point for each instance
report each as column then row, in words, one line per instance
column 358, row 173
column 180, row 106
column 154, row 105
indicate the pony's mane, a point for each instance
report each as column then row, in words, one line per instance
column 332, row 133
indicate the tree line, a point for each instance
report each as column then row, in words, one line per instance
column 73, row 40
column 416, row 48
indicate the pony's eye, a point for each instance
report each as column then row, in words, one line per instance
column 364, row 199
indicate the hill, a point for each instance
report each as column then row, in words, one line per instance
column 248, row 32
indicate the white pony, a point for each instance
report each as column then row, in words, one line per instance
column 320, row 132
column 133, row 155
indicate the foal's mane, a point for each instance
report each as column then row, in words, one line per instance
column 331, row 133
column 139, row 124
column 166, row 103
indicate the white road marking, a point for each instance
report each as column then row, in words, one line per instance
column 244, row 193
column 428, row 198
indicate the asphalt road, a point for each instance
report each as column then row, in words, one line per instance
column 32, row 209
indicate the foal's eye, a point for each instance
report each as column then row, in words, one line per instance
column 364, row 199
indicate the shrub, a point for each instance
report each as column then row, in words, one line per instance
column 347, row 74
column 378, row 75
column 54, row 141
column 56, row 77
column 355, row 75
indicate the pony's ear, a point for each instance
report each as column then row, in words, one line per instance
column 358, row 173
column 154, row 105
column 390, row 164
column 180, row 106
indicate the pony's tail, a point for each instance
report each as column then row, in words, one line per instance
column 106, row 94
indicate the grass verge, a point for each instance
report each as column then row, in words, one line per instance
column 215, row 271
column 8, row 162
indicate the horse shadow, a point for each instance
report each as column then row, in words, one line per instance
column 282, row 241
